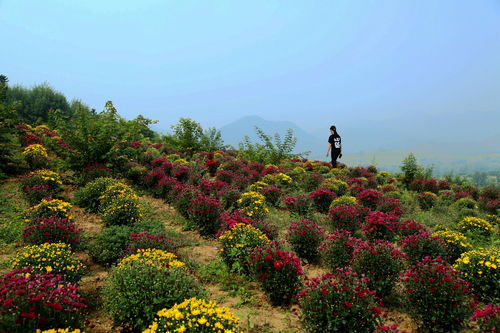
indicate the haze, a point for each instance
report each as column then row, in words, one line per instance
column 384, row 72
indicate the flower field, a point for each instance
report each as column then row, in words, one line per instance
column 162, row 240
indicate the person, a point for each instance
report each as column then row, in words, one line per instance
column 335, row 145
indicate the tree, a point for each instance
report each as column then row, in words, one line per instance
column 188, row 136
column 410, row 168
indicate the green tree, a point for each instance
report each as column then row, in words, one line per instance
column 410, row 168
column 211, row 140
column 272, row 149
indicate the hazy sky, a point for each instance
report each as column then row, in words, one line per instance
column 313, row 62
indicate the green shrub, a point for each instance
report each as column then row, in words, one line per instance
column 109, row 245
column 122, row 210
column 88, row 197
column 136, row 291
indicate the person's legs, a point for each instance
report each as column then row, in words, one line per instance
column 334, row 159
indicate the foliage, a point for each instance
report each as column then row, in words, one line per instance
column 305, row 236
column 188, row 136
column 278, row 272
column 481, row 268
column 53, row 258
column 271, row 150
column 146, row 240
column 272, row 193
column 236, row 244
column 109, row 244
column 436, row 296
column 339, row 302
column 381, row 263
column 410, row 168
column 30, row 301
column 52, row 230
column 194, row 316
column 426, row 200
column 135, row 291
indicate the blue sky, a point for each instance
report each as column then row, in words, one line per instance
column 387, row 64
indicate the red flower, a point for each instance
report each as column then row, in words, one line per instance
column 278, row 265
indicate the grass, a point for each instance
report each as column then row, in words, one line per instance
column 12, row 207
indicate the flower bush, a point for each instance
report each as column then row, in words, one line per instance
column 142, row 284
column 229, row 220
column 54, row 258
column 52, row 230
column 272, row 193
column 311, row 181
column 59, row 330
column 279, row 179
column 370, row 198
column 337, row 249
column 30, row 301
column 36, row 156
column 481, row 267
column 346, row 217
column 380, row 225
column 390, row 206
column 426, row 200
column 339, row 302
column 305, row 236
column 40, row 184
column 194, row 316
column 465, row 202
column 253, row 204
column 299, row 205
column 339, row 187
column 114, row 191
column 487, row 318
column 423, row 244
column 93, row 172
column 109, row 245
column 278, row 272
column 88, row 197
column 456, row 243
column 51, row 208
column 204, row 212
column 344, row 200
column 381, row 263
column 236, row 244
column 146, row 240
column 122, row 210
column 435, row 296
column 475, row 224
column 322, row 198
column 409, row 227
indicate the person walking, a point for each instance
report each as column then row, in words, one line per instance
column 335, row 145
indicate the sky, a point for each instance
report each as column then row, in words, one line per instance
column 425, row 70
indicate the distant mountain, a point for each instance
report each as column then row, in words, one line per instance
column 234, row 133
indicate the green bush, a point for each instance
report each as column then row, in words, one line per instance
column 135, row 292
column 88, row 197
column 122, row 210
column 109, row 245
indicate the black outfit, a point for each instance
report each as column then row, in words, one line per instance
column 335, row 141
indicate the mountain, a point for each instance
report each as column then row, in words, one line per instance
column 234, row 133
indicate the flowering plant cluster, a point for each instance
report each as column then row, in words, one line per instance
column 280, row 179
column 59, row 330
column 52, row 230
column 204, row 212
column 426, row 185
column 146, row 240
column 311, row 181
column 466, row 202
column 51, row 208
column 299, row 205
column 337, row 249
column 339, row 187
column 278, row 272
column 30, row 301
column 481, row 268
column 114, row 190
column 54, row 258
column 212, row 166
column 456, row 243
column 390, row 206
column 435, row 296
column 236, row 244
column 94, row 171
column 229, row 220
column 423, row 244
column 88, row 197
column 272, row 193
column 380, row 225
column 36, row 156
column 370, row 198
column 322, row 198
column 40, row 184
column 487, row 318
column 122, row 210
column 305, row 236
column 339, row 302
column 426, row 200
column 194, row 316
column 347, row 217
column 344, row 200
column 253, row 204
column 381, row 263
column 152, row 257
column 409, row 227
column 475, row 224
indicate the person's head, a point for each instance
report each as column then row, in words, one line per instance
column 333, row 129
